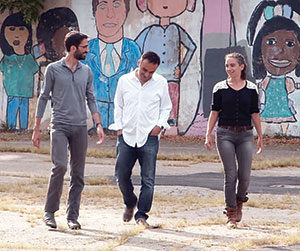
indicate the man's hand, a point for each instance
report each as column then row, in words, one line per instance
column 155, row 131
column 100, row 133
column 36, row 138
column 119, row 132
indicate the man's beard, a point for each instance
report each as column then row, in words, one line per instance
column 79, row 56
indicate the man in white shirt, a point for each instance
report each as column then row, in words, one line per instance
column 142, row 108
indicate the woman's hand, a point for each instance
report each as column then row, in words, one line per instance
column 208, row 143
column 260, row 145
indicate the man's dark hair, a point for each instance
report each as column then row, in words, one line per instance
column 96, row 2
column 152, row 57
column 74, row 38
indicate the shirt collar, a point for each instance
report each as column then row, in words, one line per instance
column 117, row 46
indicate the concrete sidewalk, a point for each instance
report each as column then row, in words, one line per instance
column 179, row 229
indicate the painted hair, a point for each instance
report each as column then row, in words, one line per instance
column 17, row 20
column 74, row 38
column 241, row 60
column 151, row 56
column 95, row 3
column 51, row 21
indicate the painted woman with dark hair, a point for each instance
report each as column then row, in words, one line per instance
column 53, row 25
column 276, row 52
column 18, row 67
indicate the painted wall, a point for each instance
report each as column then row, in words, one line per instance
column 191, row 37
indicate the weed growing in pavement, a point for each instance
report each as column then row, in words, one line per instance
column 286, row 201
column 125, row 235
column 269, row 239
column 261, row 164
column 97, row 181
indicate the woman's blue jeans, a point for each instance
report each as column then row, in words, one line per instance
column 235, row 150
column 126, row 158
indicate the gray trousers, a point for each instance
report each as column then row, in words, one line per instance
column 235, row 150
column 74, row 139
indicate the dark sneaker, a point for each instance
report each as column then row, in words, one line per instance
column 49, row 220
column 74, row 224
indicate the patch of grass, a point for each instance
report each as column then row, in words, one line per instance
column 21, row 246
column 286, row 201
column 280, row 239
column 271, row 224
column 97, row 181
column 124, row 237
column 261, row 164
column 195, row 158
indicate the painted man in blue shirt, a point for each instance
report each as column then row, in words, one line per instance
column 111, row 55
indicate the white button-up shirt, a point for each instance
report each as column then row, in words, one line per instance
column 139, row 108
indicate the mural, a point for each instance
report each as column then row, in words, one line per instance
column 52, row 27
column 266, row 32
column 276, row 54
column 18, row 67
column 166, row 39
column 217, row 38
column 111, row 54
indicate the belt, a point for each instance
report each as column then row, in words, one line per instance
column 237, row 128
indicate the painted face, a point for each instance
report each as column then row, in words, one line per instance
column 167, row 8
column 82, row 50
column 16, row 36
column 110, row 16
column 146, row 70
column 232, row 67
column 280, row 52
column 58, row 41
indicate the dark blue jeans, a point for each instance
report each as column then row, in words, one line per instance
column 126, row 158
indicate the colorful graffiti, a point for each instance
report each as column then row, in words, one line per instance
column 18, row 67
column 276, row 54
column 111, row 54
column 166, row 39
column 192, row 58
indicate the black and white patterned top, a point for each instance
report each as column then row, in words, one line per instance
column 235, row 107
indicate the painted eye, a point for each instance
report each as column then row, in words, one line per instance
column 271, row 41
column 117, row 4
column 102, row 6
column 290, row 43
column 22, row 28
column 12, row 28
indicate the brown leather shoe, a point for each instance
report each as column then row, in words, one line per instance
column 128, row 214
column 74, row 224
column 49, row 220
column 239, row 212
column 231, row 217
